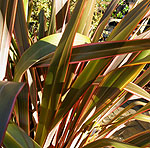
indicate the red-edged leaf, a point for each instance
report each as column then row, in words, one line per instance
column 8, row 94
column 7, row 19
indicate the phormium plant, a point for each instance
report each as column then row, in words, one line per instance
column 58, row 86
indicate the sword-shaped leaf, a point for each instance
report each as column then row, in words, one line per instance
column 142, row 117
column 104, row 20
column 56, row 75
column 62, row 12
column 26, row 3
column 20, row 29
column 141, row 139
column 42, row 24
column 109, row 142
column 43, row 51
column 124, row 27
column 114, row 82
column 95, row 51
column 40, row 50
column 22, row 109
column 7, row 19
column 86, row 15
column 8, row 94
column 137, row 90
column 17, row 138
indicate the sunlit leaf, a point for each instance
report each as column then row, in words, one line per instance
column 104, row 20
column 56, row 75
column 137, row 90
column 43, row 51
column 7, row 19
column 142, row 117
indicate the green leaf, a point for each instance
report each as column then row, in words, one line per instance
column 89, row 18
column 141, row 139
column 110, row 87
column 56, row 75
column 129, row 22
column 52, row 21
column 86, row 17
column 109, row 142
column 20, row 29
column 42, row 24
column 22, row 109
column 141, row 81
column 104, row 20
column 8, row 94
column 145, row 60
column 41, row 49
column 108, row 91
column 95, row 68
column 95, row 51
column 17, row 138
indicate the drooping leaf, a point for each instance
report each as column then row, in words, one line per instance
column 41, row 49
column 17, row 138
column 8, row 94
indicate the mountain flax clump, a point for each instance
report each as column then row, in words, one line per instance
column 61, row 81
